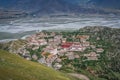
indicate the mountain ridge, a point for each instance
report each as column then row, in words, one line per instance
column 40, row 7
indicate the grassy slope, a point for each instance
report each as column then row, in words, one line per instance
column 13, row 67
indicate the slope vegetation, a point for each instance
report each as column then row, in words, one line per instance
column 13, row 67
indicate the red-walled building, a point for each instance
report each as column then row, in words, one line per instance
column 66, row 45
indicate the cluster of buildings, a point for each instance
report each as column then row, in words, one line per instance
column 55, row 46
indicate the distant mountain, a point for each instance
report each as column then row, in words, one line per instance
column 43, row 7
column 35, row 3
column 78, row 2
column 111, row 4
column 39, row 6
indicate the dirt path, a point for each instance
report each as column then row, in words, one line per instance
column 80, row 76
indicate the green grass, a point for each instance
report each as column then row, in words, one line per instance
column 13, row 67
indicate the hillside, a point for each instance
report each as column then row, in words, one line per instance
column 9, row 14
column 13, row 67
column 45, row 7
column 92, row 51
column 39, row 6
column 111, row 4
